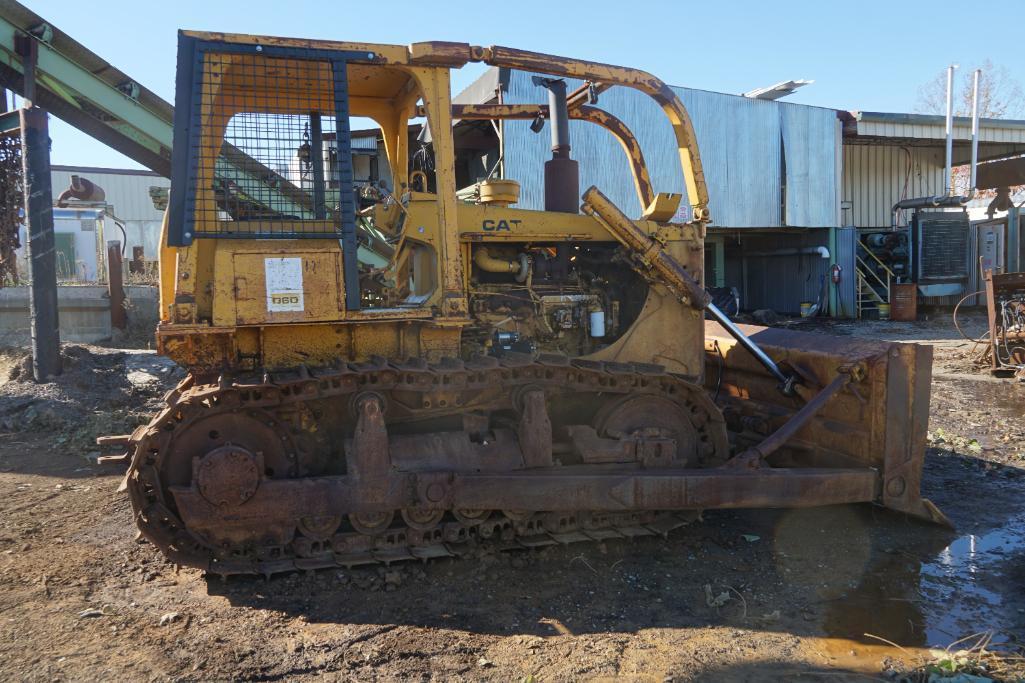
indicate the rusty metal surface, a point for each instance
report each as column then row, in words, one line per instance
column 648, row 252
column 115, row 286
column 369, row 401
column 228, row 522
column 1005, row 309
column 10, row 202
column 879, row 421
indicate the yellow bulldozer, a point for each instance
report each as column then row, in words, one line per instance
column 379, row 373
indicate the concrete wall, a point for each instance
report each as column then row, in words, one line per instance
column 84, row 312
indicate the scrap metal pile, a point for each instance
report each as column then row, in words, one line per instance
column 10, row 202
column 1005, row 306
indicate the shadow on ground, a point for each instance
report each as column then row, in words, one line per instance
column 840, row 571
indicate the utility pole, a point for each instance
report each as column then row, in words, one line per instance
column 35, row 156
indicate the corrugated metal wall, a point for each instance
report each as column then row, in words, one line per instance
column 812, row 186
column 845, row 249
column 782, row 282
column 875, row 177
column 742, row 143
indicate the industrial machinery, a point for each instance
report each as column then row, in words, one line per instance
column 409, row 378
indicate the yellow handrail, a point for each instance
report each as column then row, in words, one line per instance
column 862, row 268
column 876, row 258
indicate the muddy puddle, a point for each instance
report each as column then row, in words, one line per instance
column 974, row 583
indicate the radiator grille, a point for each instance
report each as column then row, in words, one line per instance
column 943, row 247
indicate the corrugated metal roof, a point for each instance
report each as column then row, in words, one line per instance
column 363, row 143
column 482, row 90
column 741, row 141
column 930, row 127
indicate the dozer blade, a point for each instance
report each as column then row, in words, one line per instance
column 877, row 423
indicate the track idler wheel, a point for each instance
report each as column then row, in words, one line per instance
column 470, row 517
column 422, row 519
column 319, row 528
column 371, row 523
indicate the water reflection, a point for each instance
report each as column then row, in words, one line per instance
column 920, row 599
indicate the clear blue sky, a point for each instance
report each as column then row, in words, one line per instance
column 869, row 55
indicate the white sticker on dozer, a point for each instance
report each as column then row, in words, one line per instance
column 284, row 284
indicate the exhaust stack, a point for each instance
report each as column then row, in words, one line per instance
column 948, row 171
column 562, row 174
column 972, row 185
column 948, row 198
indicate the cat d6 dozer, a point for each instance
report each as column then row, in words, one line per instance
column 401, row 370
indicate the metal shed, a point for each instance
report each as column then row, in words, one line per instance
column 771, row 167
column 768, row 164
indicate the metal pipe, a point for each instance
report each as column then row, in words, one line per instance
column 115, row 285
column 752, row 456
column 948, row 182
column 558, row 114
column 972, row 188
column 792, row 251
column 483, row 259
column 82, row 189
column 562, row 174
column 786, row 382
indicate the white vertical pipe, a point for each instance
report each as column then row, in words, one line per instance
column 948, row 184
column 975, row 131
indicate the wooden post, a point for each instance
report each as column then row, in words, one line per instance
column 115, row 285
column 35, row 154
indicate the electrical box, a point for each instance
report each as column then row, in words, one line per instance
column 990, row 246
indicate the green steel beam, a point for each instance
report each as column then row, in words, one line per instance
column 74, row 93
column 79, row 87
column 10, row 122
column 83, row 90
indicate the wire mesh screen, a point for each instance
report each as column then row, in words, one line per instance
column 269, row 147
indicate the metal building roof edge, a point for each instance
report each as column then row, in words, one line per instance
column 72, row 168
column 932, row 119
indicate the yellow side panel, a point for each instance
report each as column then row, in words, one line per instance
column 292, row 288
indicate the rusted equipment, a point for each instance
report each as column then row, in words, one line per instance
column 1005, row 308
column 904, row 302
column 115, row 286
column 11, row 201
column 526, row 376
column 137, row 266
column 83, row 190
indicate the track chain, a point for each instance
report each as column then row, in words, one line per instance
column 150, row 445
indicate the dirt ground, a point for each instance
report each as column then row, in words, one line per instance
column 739, row 596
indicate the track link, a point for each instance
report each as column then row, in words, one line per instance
column 451, row 386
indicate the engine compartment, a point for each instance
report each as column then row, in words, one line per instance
column 569, row 299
